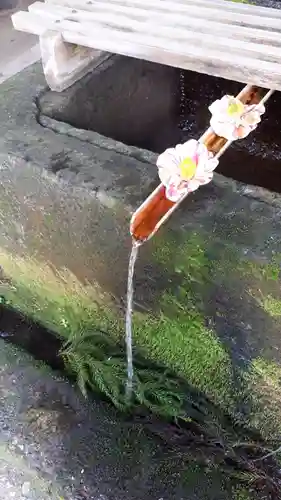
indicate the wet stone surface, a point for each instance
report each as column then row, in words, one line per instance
column 54, row 445
column 66, row 196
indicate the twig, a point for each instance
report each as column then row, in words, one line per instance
column 274, row 452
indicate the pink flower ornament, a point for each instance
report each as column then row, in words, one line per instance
column 232, row 119
column 184, row 168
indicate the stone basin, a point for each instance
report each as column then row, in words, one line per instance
column 207, row 287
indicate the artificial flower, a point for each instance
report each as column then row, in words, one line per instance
column 184, row 168
column 232, row 119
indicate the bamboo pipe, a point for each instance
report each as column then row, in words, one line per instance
column 156, row 209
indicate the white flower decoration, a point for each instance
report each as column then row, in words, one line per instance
column 232, row 119
column 186, row 167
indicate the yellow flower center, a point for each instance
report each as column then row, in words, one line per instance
column 235, row 108
column 187, row 169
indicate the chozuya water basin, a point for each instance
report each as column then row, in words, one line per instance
column 207, row 294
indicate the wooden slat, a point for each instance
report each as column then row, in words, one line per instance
column 192, row 57
column 190, row 34
column 193, row 25
column 230, row 6
column 267, row 52
column 195, row 46
column 159, row 9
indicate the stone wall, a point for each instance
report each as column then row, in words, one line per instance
column 207, row 287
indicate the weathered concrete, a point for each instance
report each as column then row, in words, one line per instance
column 65, row 202
column 91, row 178
column 55, row 445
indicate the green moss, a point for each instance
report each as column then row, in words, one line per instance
column 180, row 337
column 269, row 371
column 267, row 271
column 263, row 386
column 179, row 340
column 184, row 258
column 176, row 337
column 171, row 344
column 81, row 314
column 271, row 305
column 57, row 300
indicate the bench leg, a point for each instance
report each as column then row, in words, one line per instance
column 65, row 63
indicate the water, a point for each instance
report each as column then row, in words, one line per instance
column 129, row 314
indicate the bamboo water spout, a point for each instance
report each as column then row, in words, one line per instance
column 157, row 208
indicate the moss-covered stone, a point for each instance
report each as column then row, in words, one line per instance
column 207, row 287
column 177, row 336
column 57, row 299
column 189, row 331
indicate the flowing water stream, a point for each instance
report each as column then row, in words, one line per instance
column 129, row 314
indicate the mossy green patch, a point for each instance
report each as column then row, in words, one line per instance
column 185, row 255
column 91, row 326
column 175, row 337
column 196, row 352
column 269, row 371
column 55, row 298
column 268, row 271
column 181, row 365
column 178, row 339
column 271, row 305
column 264, row 385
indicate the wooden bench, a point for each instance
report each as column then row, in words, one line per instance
column 218, row 37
